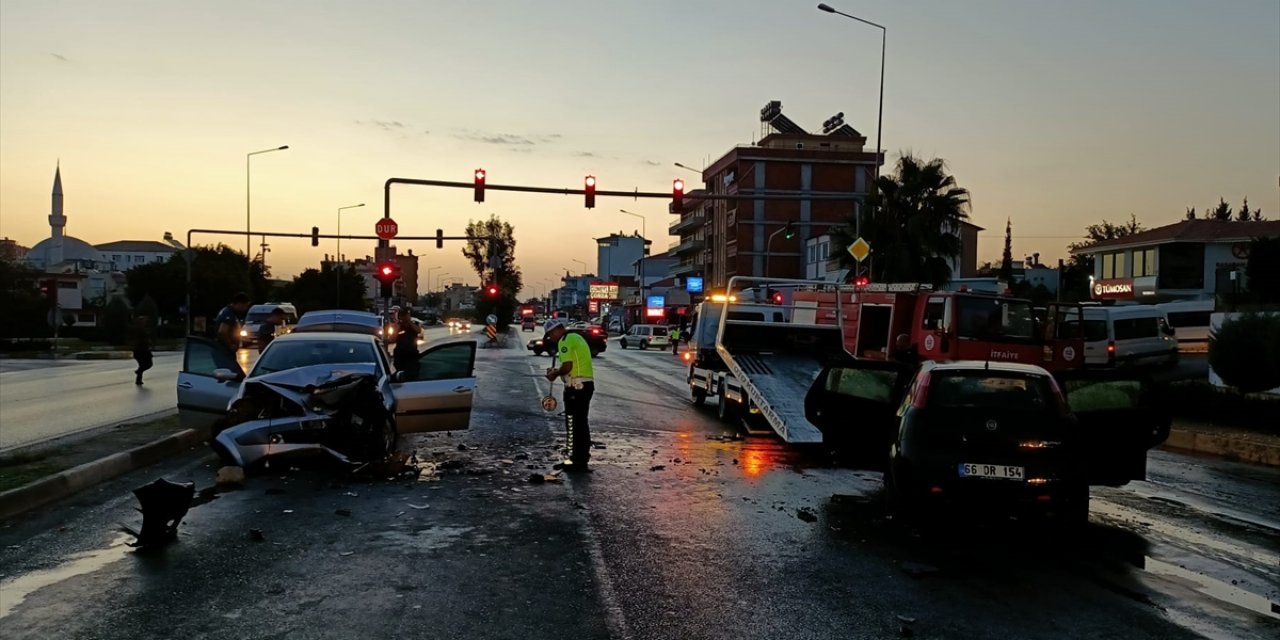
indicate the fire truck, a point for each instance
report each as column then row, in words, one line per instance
column 759, row 347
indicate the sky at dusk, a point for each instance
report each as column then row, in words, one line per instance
column 1053, row 114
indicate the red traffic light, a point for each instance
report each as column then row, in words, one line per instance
column 677, row 194
column 386, row 272
column 491, row 291
column 862, row 281
column 589, row 192
column 479, row 195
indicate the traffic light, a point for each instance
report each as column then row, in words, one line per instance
column 315, row 236
column 788, row 232
column 386, row 272
column 677, row 195
column 491, row 290
column 861, row 281
column 479, row 186
column 589, row 192
column 777, row 297
column 440, row 232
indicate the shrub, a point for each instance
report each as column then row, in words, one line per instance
column 1245, row 352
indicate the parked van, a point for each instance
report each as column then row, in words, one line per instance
column 1190, row 318
column 259, row 313
column 1123, row 336
column 645, row 336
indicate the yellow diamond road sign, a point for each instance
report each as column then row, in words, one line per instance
column 860, row 249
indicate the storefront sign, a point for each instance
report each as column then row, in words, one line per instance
column 693, row 284
column 593, row 306
column 656, row 302
column 602, row 291
column 1113, row 289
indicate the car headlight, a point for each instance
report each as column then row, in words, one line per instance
column 244, row 334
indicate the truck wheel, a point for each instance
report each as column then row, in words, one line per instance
column 644, row 345
column 699, row 396
column 724, row 407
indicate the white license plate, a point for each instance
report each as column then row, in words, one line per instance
column 997, row 471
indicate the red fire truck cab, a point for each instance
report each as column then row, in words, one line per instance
column 910, row 323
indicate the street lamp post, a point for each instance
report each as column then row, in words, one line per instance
column 644, row 239
column 584, row 265
column 429, row 276
column 687, row 167
column 247, row 227
column 440, row 278
column 338, row 265
column 768, row 247
column 880, row 114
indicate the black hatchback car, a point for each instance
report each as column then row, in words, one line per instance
column 986, row 436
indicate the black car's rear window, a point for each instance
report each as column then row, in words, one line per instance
column 989, row 389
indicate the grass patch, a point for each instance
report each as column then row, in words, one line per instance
column 21, row 467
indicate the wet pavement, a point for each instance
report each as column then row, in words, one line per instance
column 678, row 533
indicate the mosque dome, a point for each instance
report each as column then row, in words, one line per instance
column 73, row 250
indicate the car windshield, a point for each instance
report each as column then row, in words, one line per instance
column 989, row 390
column 993, row 318
column 280, row 356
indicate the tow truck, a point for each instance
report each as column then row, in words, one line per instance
column 759, row 346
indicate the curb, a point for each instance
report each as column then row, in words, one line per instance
column 1235, row 448
column 76, row 479
column 104, row 355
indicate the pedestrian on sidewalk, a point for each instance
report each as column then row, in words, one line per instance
column 267, row 330
column 227, row 322
column 579, row 385
column 141, row 348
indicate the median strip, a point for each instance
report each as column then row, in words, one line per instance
column 30, row 478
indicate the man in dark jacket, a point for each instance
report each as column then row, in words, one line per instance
column 141, row 348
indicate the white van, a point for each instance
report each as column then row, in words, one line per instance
column 1190, row 318
column 1125, row 336
column 259, row 313
column 645, row 336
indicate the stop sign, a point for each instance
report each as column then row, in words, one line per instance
column 386, row 228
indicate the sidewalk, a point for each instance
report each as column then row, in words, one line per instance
column 1224, row 442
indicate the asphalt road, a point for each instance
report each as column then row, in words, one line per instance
column 44, row 399
column 676, row 534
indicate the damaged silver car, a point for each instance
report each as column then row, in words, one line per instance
column 322, row 393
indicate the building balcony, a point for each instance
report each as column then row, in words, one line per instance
column 688, row 222
column 686, row 246
column 684, row 268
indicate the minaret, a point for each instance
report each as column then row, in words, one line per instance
column 56, row 220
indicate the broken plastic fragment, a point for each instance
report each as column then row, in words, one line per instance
column 163, row 505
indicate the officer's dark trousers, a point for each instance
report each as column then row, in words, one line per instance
column 577, row 403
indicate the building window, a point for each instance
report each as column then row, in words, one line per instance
column 813, row 253
column 1181, row 266
column 1144, row 263
column 824, row 250
column 1108, row 266
column 116, row 258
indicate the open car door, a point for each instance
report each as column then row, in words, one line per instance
column 209, row 379
column 1119, row 422
column 438, row 397
column 855, row 405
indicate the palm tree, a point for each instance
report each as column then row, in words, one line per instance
column 912, row 222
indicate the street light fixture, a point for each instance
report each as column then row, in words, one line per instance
column 880, row 114
column 687, row 167
column 788, row 232
column 337, row 257
column 247, row 227
column 644, row 249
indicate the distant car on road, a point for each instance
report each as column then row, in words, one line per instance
column 645, row 336
column 341, row 320
column 458, row 324
column 527, row 323
column 597, row 341
column 989, row 436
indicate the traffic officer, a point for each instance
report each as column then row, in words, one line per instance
column 579, row 385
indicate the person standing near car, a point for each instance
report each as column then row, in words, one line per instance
column 141, row 348
column 579, row 385
column 267, row 330
column 227, row 322
column 405, row 356
column 675, row 340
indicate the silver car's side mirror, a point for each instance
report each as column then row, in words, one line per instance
column 225, row 375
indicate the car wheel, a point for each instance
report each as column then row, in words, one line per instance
column 623, row 342
column 644, row 345
column 699, row 396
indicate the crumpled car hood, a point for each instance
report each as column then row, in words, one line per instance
column 316, row 375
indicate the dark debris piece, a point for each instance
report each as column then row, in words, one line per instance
column 256, row 535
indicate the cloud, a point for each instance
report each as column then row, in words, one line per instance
column 653, row 163
column 587, row 154
column 60, row 57
column 520, row 149
column 486, row 137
